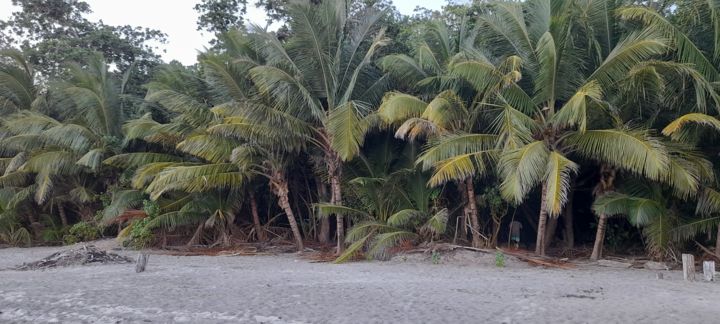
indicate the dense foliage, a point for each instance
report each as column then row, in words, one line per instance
column 401, row 129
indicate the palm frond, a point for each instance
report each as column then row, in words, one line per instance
column 522, row 169
column 631, row 149
column 557, row 182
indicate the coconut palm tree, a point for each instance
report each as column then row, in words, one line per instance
column 58, row 158
column 443, row 122
column 447, row 114
column 689, row 121
column 549, row 100
column 389, row 200
column 324, row 77
column 18, row 87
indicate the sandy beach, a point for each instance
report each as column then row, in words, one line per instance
column 288, row 289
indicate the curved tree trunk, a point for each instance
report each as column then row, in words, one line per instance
column 281, row 190
column 542, row 222
column 473, row 213
column 63, row 216
column 599, row 238
column 259, row 231
column 607, row 183
column 195, row 239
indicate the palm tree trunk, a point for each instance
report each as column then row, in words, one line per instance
column 607, row 183
column 63, row 216
column 473, row 212
column 599, row 238
column 550, row 231
column 281, row 190
column 256, row 219
column 195, row 239
column 337, row 200
column 568, row 223
column 335, row 172
column 542, row 221
column 466, row 211
column 324, row 233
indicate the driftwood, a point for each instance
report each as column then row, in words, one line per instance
column 709, row 270
column 444, row 247
column 142, row 260
column 538, row 261
column 688, row 264
column 614, row 264
column 708, row 251
column 86, row 254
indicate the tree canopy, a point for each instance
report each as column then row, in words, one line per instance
column 402, row 129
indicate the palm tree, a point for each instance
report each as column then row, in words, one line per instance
column 545, row 88
column 324, row 77
column 18, row 87
column 390, row 201
column 64, row 154
column 447, row 114
column 685, row 119
column 446, row 123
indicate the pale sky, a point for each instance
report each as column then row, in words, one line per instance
column 177, row 19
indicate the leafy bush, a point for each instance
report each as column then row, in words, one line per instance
column 54, row 234
column 81, row 232
column 138, row 234
column 15, row 236
column 499, row 259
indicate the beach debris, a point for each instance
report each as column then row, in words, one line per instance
column 614, row 264
column 538, row 261
column 652, row 265
column 708, row 252
column 142, row 260
column 85, row 254
column 709, row 270
column 688, row 264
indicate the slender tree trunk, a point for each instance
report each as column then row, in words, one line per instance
column 717, row 241
column 599, row 238
column 195, row 239
column 324, row 234
column 334, row 166
column 63, row 216
column 568, row 223
column 466, row 211
column 337, row 200
column 259, row 231
column 550, row 231
column 542, row 221
column 281, row 190
column 473, row 212
column 607, row 183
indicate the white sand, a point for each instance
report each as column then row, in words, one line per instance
column 283, row 289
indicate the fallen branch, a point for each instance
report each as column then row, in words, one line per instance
column 538, row 261
column 708, row 251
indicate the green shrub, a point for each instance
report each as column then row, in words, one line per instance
column 81, row 232
column 140, row 236
column 15, row 236
column 499, row 259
